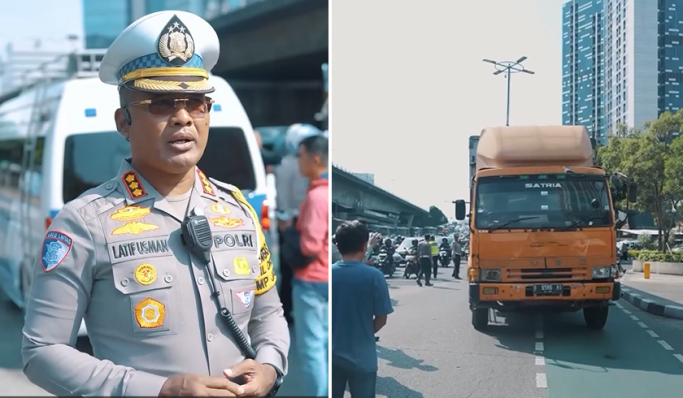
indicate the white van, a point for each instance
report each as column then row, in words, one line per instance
column 78, row 148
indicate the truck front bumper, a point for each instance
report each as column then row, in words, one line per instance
column 562, row 293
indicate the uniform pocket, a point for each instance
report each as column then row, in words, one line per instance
column 236, row 274
column 149, row 286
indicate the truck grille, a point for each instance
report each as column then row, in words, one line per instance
column 541, row 274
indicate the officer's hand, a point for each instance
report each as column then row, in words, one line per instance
column 190, row 385
column 258, row 378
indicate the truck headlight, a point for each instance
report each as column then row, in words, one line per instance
column 490, row 275
column 602, row 272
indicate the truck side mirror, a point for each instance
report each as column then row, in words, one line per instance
column 633, row 192
column 459, row 209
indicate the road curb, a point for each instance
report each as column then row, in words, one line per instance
column 651, row 306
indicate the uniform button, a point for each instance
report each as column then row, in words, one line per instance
column 168, row 278
column 124, row 282
column 253, row 269
column 226, row 272
column 209, row 337
column 200, row 280
column 109, row 185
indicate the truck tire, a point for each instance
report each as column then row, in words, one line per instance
column 595, row 317
column 480, row 318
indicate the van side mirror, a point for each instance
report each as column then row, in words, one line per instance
column 633, row 192
column 459, row 209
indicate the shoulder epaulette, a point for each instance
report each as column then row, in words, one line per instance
column 226, row 187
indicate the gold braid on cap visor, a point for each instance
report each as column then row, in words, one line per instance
column 142, row 81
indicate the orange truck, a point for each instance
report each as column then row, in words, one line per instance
column 542, row 224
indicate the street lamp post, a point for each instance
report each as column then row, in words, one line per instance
column 509, row 67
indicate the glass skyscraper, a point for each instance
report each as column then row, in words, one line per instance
column 622, row 62
column 583, row 66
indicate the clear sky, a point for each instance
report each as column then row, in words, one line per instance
column 447, row 57
column 31, row 19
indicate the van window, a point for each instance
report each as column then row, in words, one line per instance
column 91, row 159
column 227, row 158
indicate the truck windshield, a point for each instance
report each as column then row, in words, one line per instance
column 91, row 159
column 542, row 201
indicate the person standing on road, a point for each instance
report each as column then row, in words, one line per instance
column 311, row 283
column 435, row 254
column 291, row 188
column 360, row 308
column 164, row 316
column 424, row 252
column 455, row 249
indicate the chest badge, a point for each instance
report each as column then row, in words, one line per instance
column 150, row 313
column 227, row 223
column 145, row 274
column 241, row 266
column 218, row 208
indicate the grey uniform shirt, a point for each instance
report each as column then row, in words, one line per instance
column 455, row 247
column 115, row 257
column 424, row 249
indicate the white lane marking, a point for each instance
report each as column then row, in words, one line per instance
column 539, row 359
column 627, row 312
column 652, row 333
column 642, row 325
column 619, row 305
column 665, row 345
column 635, row 318
column 679, row 357
column 541, row 381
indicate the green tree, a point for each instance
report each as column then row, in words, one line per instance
column 436, row 216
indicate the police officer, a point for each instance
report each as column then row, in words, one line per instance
column 424, row 252
column 167, row 310
column 435, row 254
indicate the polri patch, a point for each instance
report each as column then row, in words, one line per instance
column 56, row 246
column 246, row 297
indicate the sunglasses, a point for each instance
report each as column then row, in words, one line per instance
column 196, row 107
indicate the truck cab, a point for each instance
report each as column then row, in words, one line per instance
column 542, row 225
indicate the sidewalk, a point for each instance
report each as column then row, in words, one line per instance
column 660, row 295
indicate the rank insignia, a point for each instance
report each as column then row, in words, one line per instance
column 241, row 266
column 150, row 313
column 145, row 274
column 245, row 297
column 56, row 246
column 206, row 185
column 133, row 186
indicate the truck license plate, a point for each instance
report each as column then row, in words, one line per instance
column 548, row 289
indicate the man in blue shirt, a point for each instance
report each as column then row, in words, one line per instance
column 360, row 306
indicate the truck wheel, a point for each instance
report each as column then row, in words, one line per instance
column 595, row 317
column 480, row 318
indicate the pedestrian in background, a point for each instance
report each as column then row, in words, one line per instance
column 310, row 286
column 291, row 189
column 360, row 308
column 456, row 249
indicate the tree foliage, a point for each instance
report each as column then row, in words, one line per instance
column 436, row 216
column 653, row 158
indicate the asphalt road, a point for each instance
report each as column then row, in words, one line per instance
column 14, row 383
column 430, row 349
